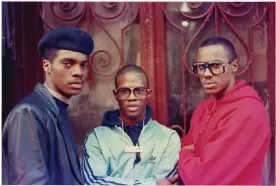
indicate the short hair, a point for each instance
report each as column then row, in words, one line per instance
column 232, row 55
column 130, row 68
column 50, row 54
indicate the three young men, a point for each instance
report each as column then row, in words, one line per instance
column 227, row 142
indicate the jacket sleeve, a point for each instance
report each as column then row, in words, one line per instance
column 230, row 143
column 23, row 143
column 168, row 165
column 94, row 167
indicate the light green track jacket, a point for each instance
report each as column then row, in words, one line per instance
column 105, row 161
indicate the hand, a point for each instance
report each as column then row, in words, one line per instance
column 189, row 147
column 167, row 181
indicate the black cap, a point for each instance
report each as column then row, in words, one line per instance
column 66, row 38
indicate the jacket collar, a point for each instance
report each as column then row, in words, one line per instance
column 43, row 92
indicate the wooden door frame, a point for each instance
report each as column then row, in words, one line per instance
column 26, row 69
column 153, row 56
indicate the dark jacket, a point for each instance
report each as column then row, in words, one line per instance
column 38, row 147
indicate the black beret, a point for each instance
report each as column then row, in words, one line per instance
column 66, row 38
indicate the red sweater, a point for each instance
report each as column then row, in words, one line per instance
column 231, row 137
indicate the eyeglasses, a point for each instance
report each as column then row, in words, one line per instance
column 216, row 67
column 124, row 92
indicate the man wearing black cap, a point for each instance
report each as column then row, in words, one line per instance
column 38, row 146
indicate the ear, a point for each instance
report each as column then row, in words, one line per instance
column 149, row 93
column 115, row 95
column 235, row 66
column 46, row 66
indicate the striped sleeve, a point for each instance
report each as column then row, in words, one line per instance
column 167, row 167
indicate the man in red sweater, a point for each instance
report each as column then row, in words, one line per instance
column 230, row 131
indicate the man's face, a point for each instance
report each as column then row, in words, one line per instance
column 220, row 83
column 67, row 72
column 132, row 107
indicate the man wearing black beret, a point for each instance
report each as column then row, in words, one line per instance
column 38, row 146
